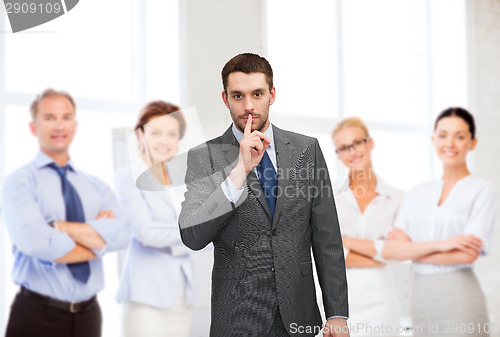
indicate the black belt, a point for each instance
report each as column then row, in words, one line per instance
column 73, row 307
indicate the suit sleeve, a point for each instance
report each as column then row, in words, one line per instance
column 327, row 242
column 205, row 208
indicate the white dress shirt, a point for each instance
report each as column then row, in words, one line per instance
column 373, row 300
column 378, row 217
column 469, row 209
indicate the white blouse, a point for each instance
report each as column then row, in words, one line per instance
column 469, row 209
column 377, row 218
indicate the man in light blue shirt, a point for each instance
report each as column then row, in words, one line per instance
column 57, row 259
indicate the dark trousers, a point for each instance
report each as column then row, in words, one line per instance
column 32, row 317
column 277, row 329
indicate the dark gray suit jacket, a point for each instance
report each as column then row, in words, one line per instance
column 262, row 263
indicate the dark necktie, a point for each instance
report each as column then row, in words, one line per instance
column 268, row 180
column 74, row 213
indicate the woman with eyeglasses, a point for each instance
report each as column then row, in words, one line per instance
column 457, row 210
column 367, row 208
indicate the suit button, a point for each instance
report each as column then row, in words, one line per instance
column 274, row 231
column 272, row 269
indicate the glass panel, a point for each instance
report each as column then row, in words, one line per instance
column 162, row 51
column 448, row 54
column 21, row 145
column 74, row 53
column 403, row 160
column 302, row 51
column 95, row 133
column 384, row 60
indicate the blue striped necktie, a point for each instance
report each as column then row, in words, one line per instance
column 74, row 213
column 268, row 180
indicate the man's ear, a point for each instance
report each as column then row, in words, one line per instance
column 225, row 99
column 32, row 128
column 273, row 96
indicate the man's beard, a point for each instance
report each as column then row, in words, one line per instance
column 240, row 124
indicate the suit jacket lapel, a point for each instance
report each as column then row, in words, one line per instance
column 284, row 151
column 230, row 147
column 230, row 151
column 254, row 184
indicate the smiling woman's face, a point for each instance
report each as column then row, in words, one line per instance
column 352, row 149
column 452, row 140
column 163, row 136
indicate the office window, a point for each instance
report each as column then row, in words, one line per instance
column 396, row 64
column 112, row 57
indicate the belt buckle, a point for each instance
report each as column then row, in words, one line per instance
column 72, row 307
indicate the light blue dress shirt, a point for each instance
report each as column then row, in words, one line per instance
column 157, row 260
column 31, row 197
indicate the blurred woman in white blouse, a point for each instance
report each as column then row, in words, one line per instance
column 367, row 208
column 157, row 280
column 444, row 226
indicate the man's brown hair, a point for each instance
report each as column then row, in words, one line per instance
column 247, row 63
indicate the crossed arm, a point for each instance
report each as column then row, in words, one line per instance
column 68, row 242
column 461, row 249
column 85, row 237
column 361, row 253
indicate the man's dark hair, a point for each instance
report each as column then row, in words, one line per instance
column 247, row 63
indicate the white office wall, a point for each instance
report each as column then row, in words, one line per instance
column 211, row 33
column 484, row 86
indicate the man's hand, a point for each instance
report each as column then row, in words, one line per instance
column 107, row 214
column 336, row 327
column 65, row 226
column 252, row 148
column 83, row 233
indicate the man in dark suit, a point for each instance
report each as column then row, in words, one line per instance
column 263, row 196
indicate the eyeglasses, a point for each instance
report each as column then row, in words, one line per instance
column 345, row 149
